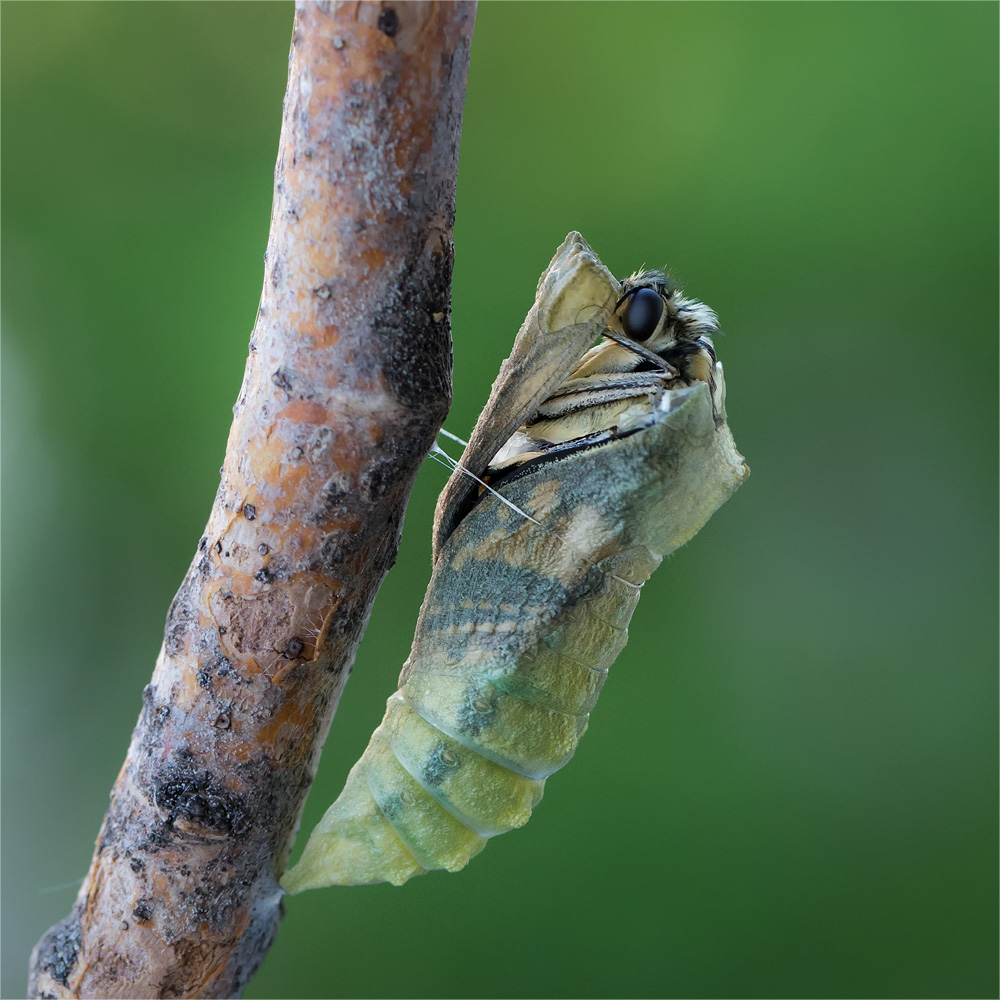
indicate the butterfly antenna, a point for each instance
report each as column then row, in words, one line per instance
column 439, row 453
column 453, row 437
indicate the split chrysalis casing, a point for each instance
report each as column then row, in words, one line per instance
column 584, row 470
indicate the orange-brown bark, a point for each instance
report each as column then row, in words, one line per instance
column 346, row 385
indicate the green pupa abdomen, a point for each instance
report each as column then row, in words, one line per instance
column 494, row 697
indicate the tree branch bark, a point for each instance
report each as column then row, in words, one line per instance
column 346, row 385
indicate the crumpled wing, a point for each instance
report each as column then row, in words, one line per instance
column 575, row 298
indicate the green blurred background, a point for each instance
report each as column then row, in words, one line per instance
column 789, row 787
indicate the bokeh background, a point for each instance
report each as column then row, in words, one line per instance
column 789, row 788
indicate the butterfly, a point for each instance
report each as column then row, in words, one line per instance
column 602, row 448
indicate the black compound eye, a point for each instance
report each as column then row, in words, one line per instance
column 645, row 307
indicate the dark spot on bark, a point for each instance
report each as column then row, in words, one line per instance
column 388, row 22
column 137, row 865
column 161, row 716
column 334, row 493
column 333, row 550
column 349, row 615
column 57, row 952
column 180, row 619
column 416, row 351
column 218, row 546
column 194, row 803
column 375, row 481
column 263, row 575
column 208, row 904
column 282, row 379
column 124, row 925
column 222, row 630
column 142, row 911
column 204, row 678
column 156, row 839
column 202, row 543
column 250, row 512
column 293, row 648
column 263, row 549
column 222, row 721
column 204, row 567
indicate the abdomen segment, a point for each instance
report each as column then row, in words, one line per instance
column 464, row 748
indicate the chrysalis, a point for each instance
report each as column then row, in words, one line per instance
column 585, row 468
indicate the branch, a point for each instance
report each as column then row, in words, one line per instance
column 346, row 385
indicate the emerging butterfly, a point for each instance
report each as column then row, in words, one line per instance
column 585, row 468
